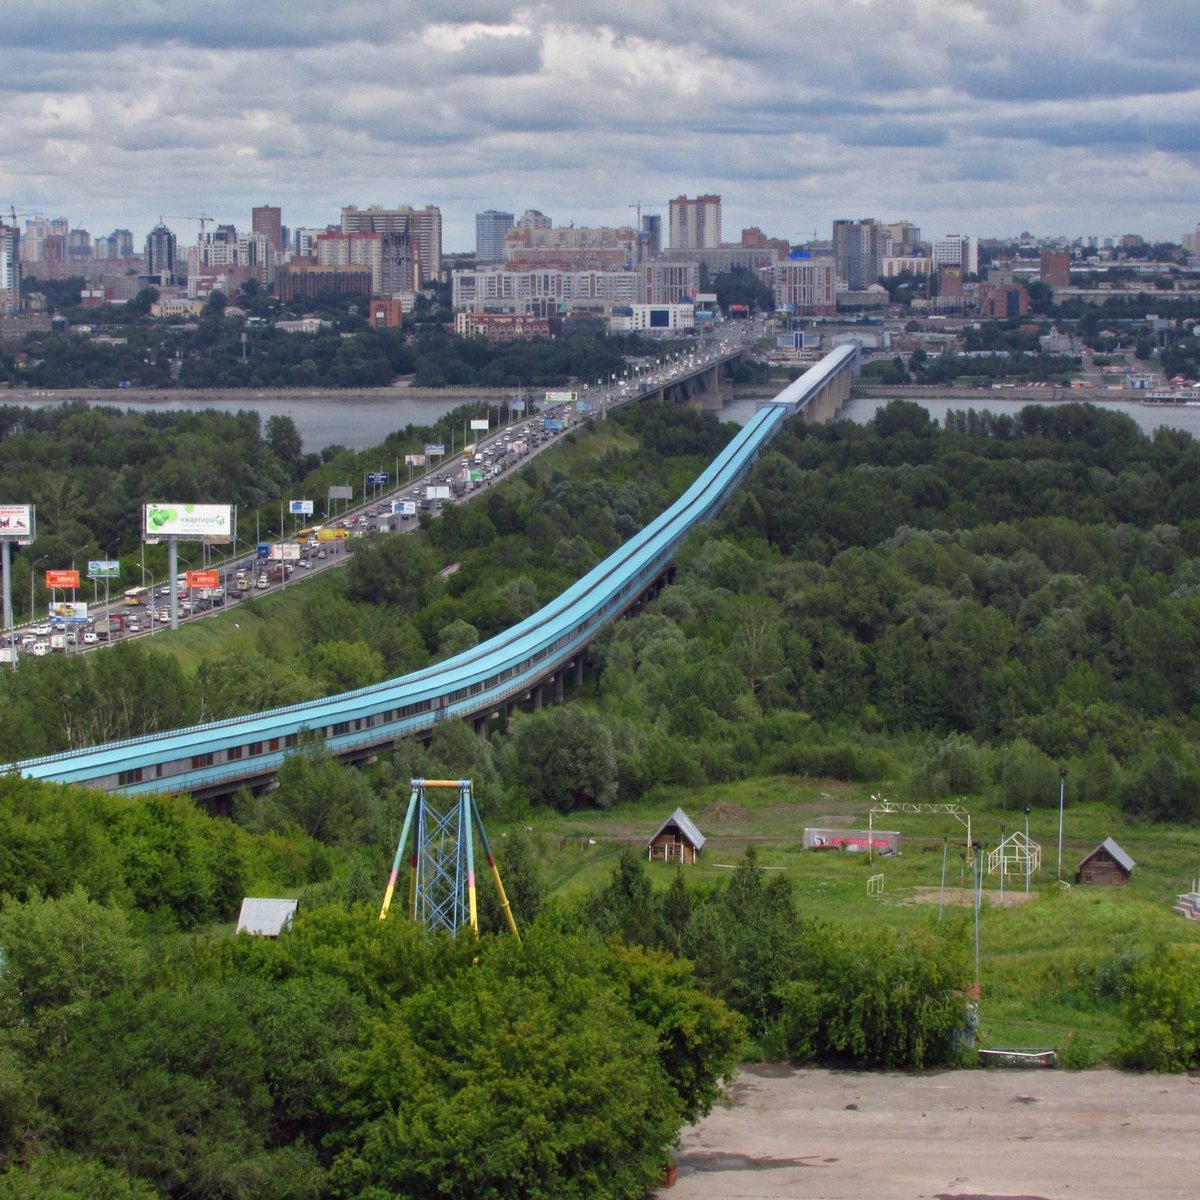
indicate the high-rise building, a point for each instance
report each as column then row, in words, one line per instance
column 652, row 243
column 118, row 244
column 532, row 218
column 160, row 254
column 490, row 228
column 806, row 285
column 1055, row 268
column 10, row 268
column 695, row 224
column 79, row 246
column 955, row 250
column 267, row 219
column 858, row 252
column 423, row 226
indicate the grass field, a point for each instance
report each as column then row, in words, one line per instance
column 1050, row 962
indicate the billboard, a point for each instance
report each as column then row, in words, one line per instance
column 62, row 579
column 551, row 423
column 561, row 397
column 103, row 568
column 517, row 406
column 69, row 611
column 331, row 535
column 378, row 478
column 479, row 425
column 204, row 579
column 193, row 522
column 404, row 508
column 437, row 493
column 341, row 493
column 414, row 460
column 18, row 522
column 300, row 508
column 435, row 448
column 285, row 551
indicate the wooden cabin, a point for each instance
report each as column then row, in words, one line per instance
column 677, row 840
column 1107, row 865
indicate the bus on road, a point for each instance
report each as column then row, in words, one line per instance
column 137, row 595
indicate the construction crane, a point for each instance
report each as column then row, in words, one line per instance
column 14, row 212
column 637, row 204
column 204, row 219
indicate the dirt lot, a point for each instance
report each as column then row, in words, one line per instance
column 963, row 1135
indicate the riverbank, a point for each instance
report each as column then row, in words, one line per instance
column 135, row 397
column 950, row 1135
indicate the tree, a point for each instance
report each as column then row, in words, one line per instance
column 564, row 757
column 60, row 956
column 284, row 439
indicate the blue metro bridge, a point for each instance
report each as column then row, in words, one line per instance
column 215, row 759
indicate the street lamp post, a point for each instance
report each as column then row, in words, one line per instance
column 1062, row 786
column 1027, row 851
column 32, row 578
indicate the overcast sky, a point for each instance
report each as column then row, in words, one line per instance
column 984, row 117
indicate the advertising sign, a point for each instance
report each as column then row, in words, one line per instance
column 69, row 610
column 517, row 406
column 479, row 424
column 341, row 493
column 285, row 551
column 17, row 521
column 435, row 448
column 437, row 493
column 300, row 508
column 378, row 478
column 414, row 460
column 561, row 397
column 204, row 579
column 193, row 522
column 62, row 579
column 103, row 568
column 404, row 508
column 550, row 423
column 331, row 535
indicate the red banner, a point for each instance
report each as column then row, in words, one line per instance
column 204, row 579
column 62, row 579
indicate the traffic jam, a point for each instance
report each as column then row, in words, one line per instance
column 72, row 626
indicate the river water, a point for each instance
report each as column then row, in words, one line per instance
column 363, row 423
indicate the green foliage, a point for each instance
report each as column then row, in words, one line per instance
column 66, row 1176
column 526, row 1077
column 563, row 757
column 60, row 955
column 883, row 999
column 1162, row 1012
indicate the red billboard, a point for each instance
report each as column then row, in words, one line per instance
column 62, row 579
column 204, row 579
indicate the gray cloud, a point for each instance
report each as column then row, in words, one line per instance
column 795, row 112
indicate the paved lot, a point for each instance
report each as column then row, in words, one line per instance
column 998, row 1134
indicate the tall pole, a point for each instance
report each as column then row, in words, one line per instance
column 1062, row 784
column 8, row 611
column 1027, row 850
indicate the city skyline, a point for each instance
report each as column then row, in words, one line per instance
column 1071, row 119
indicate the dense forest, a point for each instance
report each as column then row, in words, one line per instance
column 957, row 610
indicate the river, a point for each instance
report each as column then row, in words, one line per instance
column 362, row 422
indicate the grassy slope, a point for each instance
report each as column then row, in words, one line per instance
column 1038, row 959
